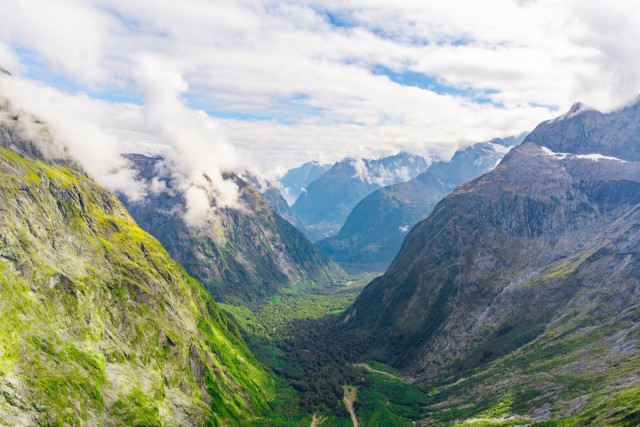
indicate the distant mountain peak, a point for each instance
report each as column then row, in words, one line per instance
column 576, row 108
column 374, row 230
column 295, row 181
column 584, row 130
column 327, row 200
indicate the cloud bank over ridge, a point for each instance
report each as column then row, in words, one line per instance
column 289, row 81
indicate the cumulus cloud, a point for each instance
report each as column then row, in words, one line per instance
column 79, row 123
column 96, row 133
column 191, row 146
column 297, row 80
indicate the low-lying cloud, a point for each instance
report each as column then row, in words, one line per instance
column 79, row 123
column 97, row 133
column 399, row 170
column 190, row 144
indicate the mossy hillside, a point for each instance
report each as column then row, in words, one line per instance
column 98, row 324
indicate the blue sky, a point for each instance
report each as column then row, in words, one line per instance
column 290, row 81
column 285, row 110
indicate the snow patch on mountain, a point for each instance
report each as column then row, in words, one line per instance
column 593, row 156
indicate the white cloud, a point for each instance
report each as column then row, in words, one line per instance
column 193, row 149
column 97, row 133
column 158, row 186
column 8, row 59
column 285, row 59
column 198, row 208
column 69, row 35
column 81, row 124
column 372, row 172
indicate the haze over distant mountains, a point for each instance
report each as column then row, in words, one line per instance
column 327, row 200
column 296, row 180
column 374, row 230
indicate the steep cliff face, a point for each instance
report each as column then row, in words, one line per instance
column 580, row 369
column 98, row 325
column 373, row 233
column 276, row 200
column 243, row 255
column 328, row 200
column 543, row 245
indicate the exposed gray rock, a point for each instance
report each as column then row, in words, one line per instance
column 515, row 264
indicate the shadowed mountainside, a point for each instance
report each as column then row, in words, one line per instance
column 525, row 278
column 244, row 255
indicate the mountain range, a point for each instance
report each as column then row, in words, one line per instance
column 245, row 255
column 524, row 281
column 328, row 200
column 516, row 301
column 373, row 232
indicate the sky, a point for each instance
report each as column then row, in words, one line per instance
column 267, row 85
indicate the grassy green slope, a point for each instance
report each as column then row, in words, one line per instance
column 98, row 325
column 581, row 371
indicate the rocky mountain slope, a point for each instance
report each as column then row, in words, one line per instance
column 295, row 181
column 524, row 280
column 327, row 201
column 276, row 200
column 245, row 255
column 373, row 233
column 98, row 325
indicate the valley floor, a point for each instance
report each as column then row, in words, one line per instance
column 320, row 382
